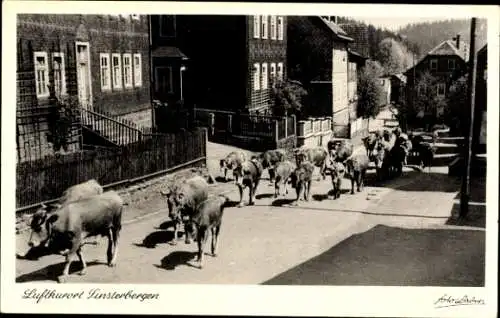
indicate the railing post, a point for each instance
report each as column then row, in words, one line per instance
column 294, row 124
column 212, row 123
column 276, row 131
column 286, row 127
column 230, row 123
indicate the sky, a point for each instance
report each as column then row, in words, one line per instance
column 393, row 23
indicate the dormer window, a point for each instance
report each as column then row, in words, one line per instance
column 434, row 64
column 451, row 64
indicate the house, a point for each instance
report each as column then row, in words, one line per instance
column 318, row 58
column 480, row 106
column 443, row 62
column 398, row 87
column 102, row 61
column 385, row 83
column 232, row 59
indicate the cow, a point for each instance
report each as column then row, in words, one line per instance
column 341, row 152
column 302, row 180
column 70, row 224
column 208, row 217
column 182, row 200
column 269, row 160
column 231, row 161
column 248, row 175
column 284, row 170
column 356, row 166
column 370, row 142
column 74, row 193
column 337, row 171
column 318, row 156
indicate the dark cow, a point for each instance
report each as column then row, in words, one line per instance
column 74, row 193
column 231, row 161
column 318, row 156
column 342, row 151
column 370, row 142
column 270, row 159
column 182, row 201
column 337, row 171
column 248, row 175
column 356, row 167
column 284, row 170
column 302, row 180
column 70, row 224
column 208, row 217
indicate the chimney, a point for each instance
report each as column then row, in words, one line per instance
column 334, row 19
column 457, row 41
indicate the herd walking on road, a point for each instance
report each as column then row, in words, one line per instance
column 86, row 211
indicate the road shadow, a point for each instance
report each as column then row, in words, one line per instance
column 264, row 196
column 220, row 179
column 231, row 204
column 424, row 257
column 51, row 272
column 329, row 195
column 476, row 216
column 176, row 258
column 35, row 253
column 281, row 202
column 428, row 182
column 158, row 237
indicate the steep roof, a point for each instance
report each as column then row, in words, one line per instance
column 336, row 30
column 445, row 48
column 168, row 51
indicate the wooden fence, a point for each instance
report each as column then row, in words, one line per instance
column 253, row 132
column 315, row 131
column 44, row 180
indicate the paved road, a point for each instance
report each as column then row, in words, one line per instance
column 258, row 242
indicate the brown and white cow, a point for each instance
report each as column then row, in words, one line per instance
column 248, row 175
column 302, row 180
column 70, row 224
column 270, row 159
column 208, row 218
column 318, row 156
column 182, row 200
column 233, row 160
column 337, row 171
column 284, row 171
column 74, row 193
column 356, row 166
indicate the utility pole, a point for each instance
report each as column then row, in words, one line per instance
column 471, row 90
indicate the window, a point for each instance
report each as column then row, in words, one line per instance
column 280, row 71
column 137, row 70
column 41, row 74
column 264, row 30
column 256, row 76
column 441, row 89
column 451, row 64
column 59, row 73
column 273, row 73
column 117, row 71
column 434, row 64
column 280, row 28
column 264, row 76
column 256, row 26
column 105, row 72
column 127, row 70
column 163, row 83
column 167, row 25
column 273, row 27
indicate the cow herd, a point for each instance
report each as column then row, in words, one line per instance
column 86, row 211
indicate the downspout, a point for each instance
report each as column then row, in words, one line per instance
column 151, row 80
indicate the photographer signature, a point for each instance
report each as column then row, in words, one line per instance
column 450, row 301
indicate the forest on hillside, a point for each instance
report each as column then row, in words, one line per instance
column 397, row 51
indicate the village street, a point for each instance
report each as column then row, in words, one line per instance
column 260, row 242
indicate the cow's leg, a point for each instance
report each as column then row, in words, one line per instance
column 116, row 236
column 215, row 239
column 240, row 189
column 176, row 231
column 272, row 176
column 251, row 194
column 69, row 259
column 361, row 180
column 276, row 189
column 83, row 271
column 353, row 178
column 110, row 247
column 225, row 174
column 307, row 195
column 187, row 232
column 286, row 187
column 202, row 239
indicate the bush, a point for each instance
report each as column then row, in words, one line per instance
column 370, row 94
column 288, row 97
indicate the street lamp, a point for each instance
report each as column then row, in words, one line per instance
column 182, row 69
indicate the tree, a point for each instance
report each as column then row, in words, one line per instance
column 428, row 102
column 394, row 56
column 288, row 96
column 455, row 115
column 369, row 90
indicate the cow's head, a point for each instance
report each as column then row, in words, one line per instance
column 337, row 171
column 243, row 174
column 378, row 155
column 41, row 225
column 172, row 204
column 300, row 157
